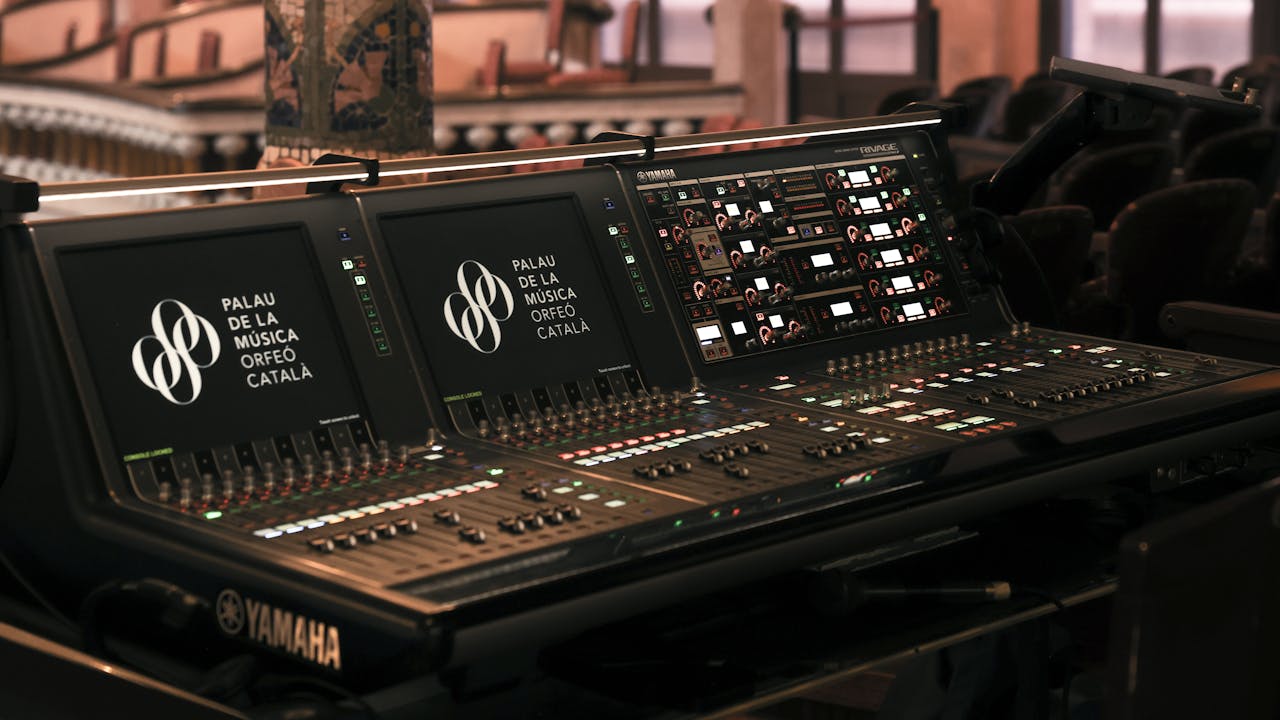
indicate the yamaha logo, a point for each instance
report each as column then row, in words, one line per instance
column 272, row 627
column 476, row 310
column 230, row 611
column 169, row 360
column 655, row 176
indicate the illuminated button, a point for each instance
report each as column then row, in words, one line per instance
column 563, row 490
column 615, row 503
column 360, row 280
column 588, row 497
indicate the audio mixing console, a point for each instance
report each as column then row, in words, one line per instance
column 394, row 430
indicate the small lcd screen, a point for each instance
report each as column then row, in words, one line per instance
column 505, row 297
column 200, row 342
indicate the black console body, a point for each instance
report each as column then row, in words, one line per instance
column 408, row 429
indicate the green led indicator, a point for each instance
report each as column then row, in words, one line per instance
column 495, row 471
column 577, row 483
column 213, row 515
column 715, row 513
column 678, row 523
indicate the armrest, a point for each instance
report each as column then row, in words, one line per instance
column 1224, row 330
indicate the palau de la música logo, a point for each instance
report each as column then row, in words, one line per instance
column 180, row 345
column 476, row 310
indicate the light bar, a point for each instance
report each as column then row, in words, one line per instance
column 668, row 146
column 354, row 172
column 194, row 187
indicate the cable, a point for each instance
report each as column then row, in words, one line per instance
column 284, row 682
column 178, row 606
column 1005, row 230
column 35, row 594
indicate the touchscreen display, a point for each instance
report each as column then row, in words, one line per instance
column 199, row 342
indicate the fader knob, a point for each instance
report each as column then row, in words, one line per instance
column 166, row 489
column 228, row 484
column 406, row 526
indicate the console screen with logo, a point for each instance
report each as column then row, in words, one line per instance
column 206, row 341
column 780, row 248
column 505, row 297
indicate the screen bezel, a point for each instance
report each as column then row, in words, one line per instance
column 52, row 239
column 494, row 204
column 645, row 336
column 984, row 313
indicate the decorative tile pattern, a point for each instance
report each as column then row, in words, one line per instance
column 357, row 75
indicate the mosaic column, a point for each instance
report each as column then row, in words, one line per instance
column 347, row 76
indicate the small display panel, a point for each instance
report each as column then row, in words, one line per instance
column 505, row 297
column 767, row 257
column 207, row 341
